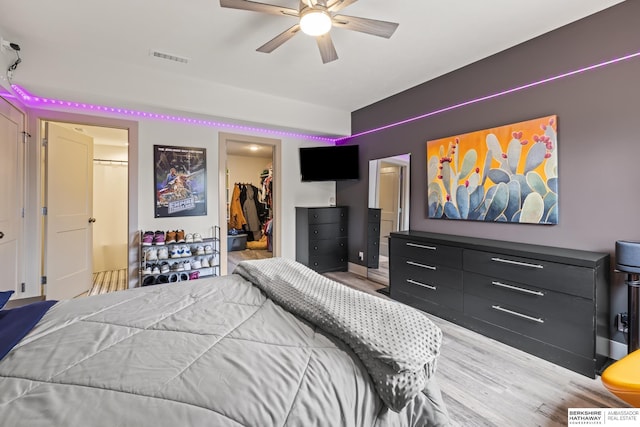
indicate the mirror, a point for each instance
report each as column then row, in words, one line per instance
column 388, row 208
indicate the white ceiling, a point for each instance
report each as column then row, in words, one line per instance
column 101, row 44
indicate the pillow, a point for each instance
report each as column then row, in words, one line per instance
column 17, row 322
column 4, row 297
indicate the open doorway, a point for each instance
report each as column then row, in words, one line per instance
column 250, row 205
column 99, row 236
column 389, row 193
column 252, row 164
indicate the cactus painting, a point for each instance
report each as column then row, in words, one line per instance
column 504, row 174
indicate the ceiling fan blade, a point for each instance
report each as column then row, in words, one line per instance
column 327, row 49
column 364, row 25
column 339, row 5
column 278, row 40
column 258, row 7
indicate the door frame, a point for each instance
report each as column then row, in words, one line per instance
column 276, row 146
column 35, row 185
column 13, row 113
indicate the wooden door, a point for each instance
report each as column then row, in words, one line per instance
column 388, row 201
column 69, row 202
column 12, row 199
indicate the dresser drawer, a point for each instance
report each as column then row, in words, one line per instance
column 544, row 302
column 436, row 294
column 322, row 263
column 374, row 215
column 327, row 231
column 328, row 247
column 427, row 274
column 327, row 215
column 568, row 330
column 427, row 252
column 542, row 274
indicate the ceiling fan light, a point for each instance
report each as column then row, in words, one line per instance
column 315, row 22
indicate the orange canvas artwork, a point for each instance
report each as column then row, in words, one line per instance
column 503, row 174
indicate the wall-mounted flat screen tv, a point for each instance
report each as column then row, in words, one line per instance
column 332, row 163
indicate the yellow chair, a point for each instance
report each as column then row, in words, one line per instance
column 622, row 378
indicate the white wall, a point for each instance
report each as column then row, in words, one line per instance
column 246, row 169
column 143, row 88
column 6, row 59
column 293, row 191
column 145, row 133
column 110, row 190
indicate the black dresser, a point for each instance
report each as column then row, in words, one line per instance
column 321, row 238
column 547, row 301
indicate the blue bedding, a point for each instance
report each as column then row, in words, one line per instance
column 15, row 323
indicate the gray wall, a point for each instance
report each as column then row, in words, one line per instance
column 598, row 135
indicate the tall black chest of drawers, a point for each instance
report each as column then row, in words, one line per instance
column 321, row 238
column 547, row 301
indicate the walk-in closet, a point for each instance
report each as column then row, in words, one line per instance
column 250, row 213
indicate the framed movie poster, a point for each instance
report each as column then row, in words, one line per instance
column 180, row 181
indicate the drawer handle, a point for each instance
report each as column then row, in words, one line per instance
column 421, row 265
column 515, row 313
column 516, row 288
column 415, row 245
column 424, row 285
column 524, row 264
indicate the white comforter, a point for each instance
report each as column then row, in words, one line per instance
column 211, row 352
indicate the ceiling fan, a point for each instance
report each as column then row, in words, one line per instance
column 316, row 17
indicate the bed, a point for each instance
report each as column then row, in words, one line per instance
column 224, row 351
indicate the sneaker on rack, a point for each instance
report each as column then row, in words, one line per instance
column 147, row 238
column 173, row 277
column 205, row 262
column 197, row 238
column 188, row 238
column 163, row 253
column 164, row 267
column 200, row 250
column 184, row 277
column 175, row 252
column 178, row 266
column 155, row 269
column 196, row 264
column 179, row 236
column 158, row 238
column 147, row 269
column 194, row 275
column 214, row 260
column 149, row 280
column 163, row 278
column 151, row 254
column 171, row 237
column 208, row 250
column 186, row 251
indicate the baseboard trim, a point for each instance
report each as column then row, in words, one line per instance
column 617, row 350
column 358, row 269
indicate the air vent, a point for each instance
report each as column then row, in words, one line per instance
column 169, row 57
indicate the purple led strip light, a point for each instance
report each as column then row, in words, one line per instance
column 487, row 97
column 31, row 99
column 28, row 98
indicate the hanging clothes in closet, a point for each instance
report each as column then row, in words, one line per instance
column 237, row 219
column 250, row 210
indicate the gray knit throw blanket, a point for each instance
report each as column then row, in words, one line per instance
column 397, row 344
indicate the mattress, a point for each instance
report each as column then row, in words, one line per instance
column 214, row 352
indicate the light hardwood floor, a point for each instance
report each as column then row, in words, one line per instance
column 234, row 257
column 487, row 383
